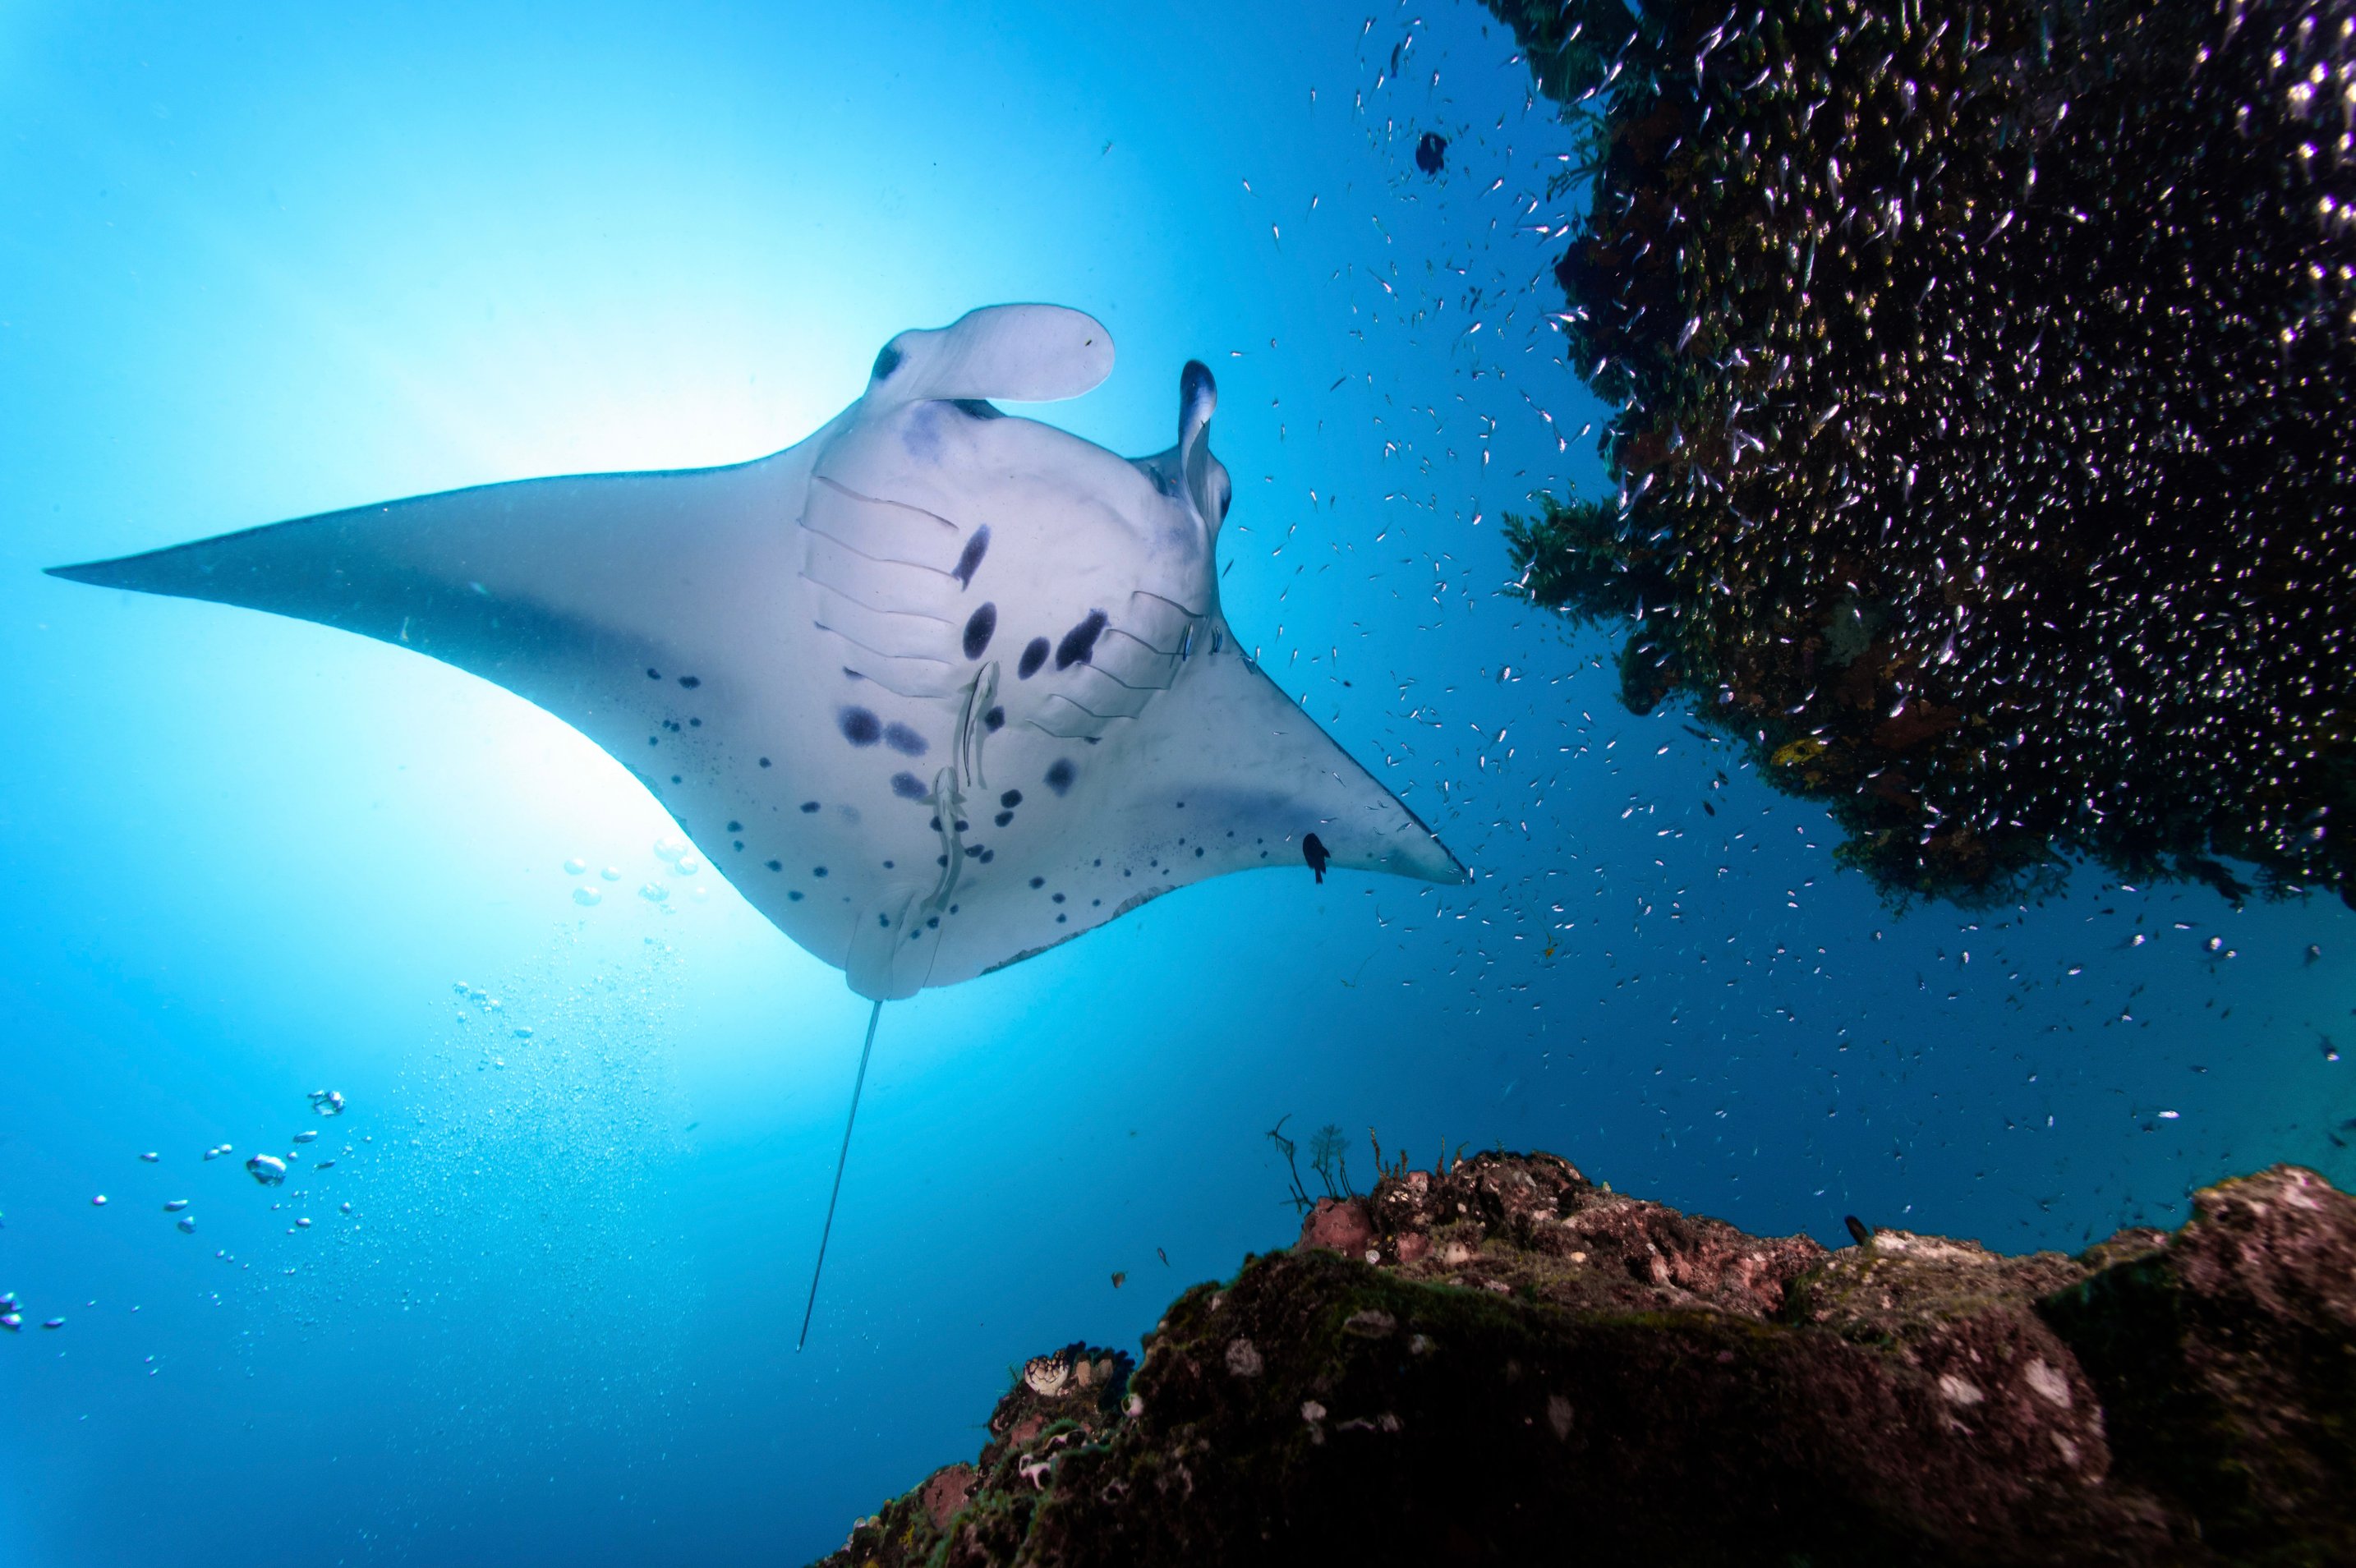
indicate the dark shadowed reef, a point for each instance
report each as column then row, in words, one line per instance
column 1509, row 1363
column 1983, row 377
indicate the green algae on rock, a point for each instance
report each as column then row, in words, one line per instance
column 1985, row 431
column 1508, row 1363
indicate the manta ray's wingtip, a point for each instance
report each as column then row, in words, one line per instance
column 1430, row 860
column 133, row 573
column 181, row 570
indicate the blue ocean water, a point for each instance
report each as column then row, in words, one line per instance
column 272, row 259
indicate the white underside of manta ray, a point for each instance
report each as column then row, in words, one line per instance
column 935, row 688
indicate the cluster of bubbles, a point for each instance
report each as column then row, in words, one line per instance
column 676, row 856
column 538, row 1142
column 589, row 894
column 679, row 856
column 268, row 1170
column 1985, row 376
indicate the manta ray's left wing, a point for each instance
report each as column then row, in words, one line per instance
column 604, row 599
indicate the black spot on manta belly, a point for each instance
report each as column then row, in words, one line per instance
column 1060, row 774
column 970, row 558
column 859, row 726
column 1079, row 644
column 1033, row 655
column 886, row 363
column 905, row 740
column 809, row 806
column 690, row 681
column 994, row 720
column 979, row 628
column 1004, row 818
column 908, row 787
column 1011, row 799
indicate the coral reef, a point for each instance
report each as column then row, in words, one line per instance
column 1510, row 1363
column 1983, row 374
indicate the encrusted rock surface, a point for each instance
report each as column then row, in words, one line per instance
column 1512, row 1364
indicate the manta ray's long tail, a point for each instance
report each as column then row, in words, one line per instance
column 874, row 1015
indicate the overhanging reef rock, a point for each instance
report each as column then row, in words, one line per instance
column 1507, row 1364
column 1981, row 378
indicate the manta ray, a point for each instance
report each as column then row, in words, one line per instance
column 935, row 689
